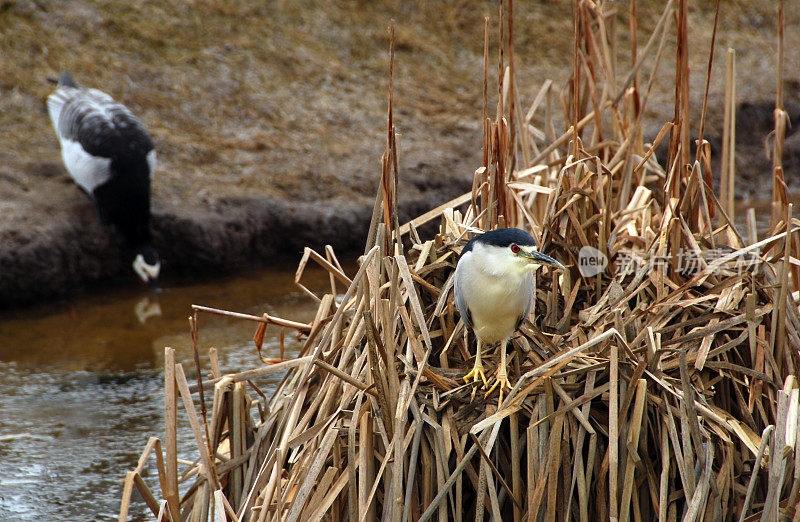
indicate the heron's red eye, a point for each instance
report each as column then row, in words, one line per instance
column 515, row 248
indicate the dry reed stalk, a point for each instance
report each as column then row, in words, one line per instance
column 663, row 386
column 171, row 434
column 728, row 168
column 780, row 117
column 134, row 478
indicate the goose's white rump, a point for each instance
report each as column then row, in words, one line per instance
column 88, row 171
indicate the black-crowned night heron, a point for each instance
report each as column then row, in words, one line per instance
column 494, row 290
column 110, row 155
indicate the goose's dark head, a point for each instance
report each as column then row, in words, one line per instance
column 147, row 265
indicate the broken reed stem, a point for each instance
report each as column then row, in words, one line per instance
column 780, row 117
column 256, row 373
column 613, row 434
column 708, row 81
column 196, row 354
column 575, row 81
column 779, row 68
column 512, row 95
column 386, row 197
column 171, row 434
column 266, row 318
column 389, row 161
column 679, row 142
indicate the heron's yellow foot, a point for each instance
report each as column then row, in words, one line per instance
column 477, row 372
column 502, row 381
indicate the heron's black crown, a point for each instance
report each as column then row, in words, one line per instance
column 501, row 237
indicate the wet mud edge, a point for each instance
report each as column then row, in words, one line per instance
column 76, row 252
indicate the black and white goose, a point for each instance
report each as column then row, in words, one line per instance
column 110, row 155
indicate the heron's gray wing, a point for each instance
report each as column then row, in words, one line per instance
column 461, row 303
column 527, row 306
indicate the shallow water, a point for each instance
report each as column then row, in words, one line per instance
column 81, row 385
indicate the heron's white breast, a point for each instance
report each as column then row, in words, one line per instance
column 497, row 288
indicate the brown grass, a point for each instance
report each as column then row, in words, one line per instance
column 238, row 93
column 652, row 390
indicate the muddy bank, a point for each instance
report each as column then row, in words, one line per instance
column 47, row 258
column 269, row 120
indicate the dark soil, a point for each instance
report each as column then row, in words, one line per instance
column 269, row 119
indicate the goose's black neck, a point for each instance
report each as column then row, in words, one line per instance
column 124, row 200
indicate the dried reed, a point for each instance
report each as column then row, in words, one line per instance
column 663, row 385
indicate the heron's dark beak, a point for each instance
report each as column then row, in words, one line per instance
column 538, row 258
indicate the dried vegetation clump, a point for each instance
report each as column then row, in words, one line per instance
column 661, row 384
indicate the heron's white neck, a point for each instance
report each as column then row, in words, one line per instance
column 498, row 262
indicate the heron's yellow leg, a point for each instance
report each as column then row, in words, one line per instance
column 501, row 379
column 477, row 370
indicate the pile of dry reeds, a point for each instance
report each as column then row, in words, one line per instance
column 659, row 384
